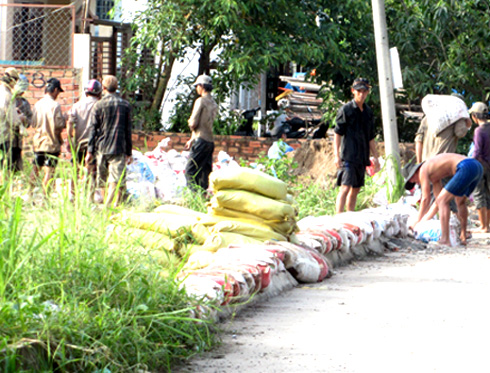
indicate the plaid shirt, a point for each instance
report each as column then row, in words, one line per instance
column 110, row 126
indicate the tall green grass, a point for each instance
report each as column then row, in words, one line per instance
column 73, row 301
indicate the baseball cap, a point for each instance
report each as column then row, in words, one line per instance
column 361, row 83
column 93, row 86
column 53, row 82
column 413, row 169
column 479, row 108
column 203, row 79
column 12, row 72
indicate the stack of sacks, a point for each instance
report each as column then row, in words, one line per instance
column 235, row 274
column 253, row 196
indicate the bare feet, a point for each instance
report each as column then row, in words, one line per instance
column 481, row 230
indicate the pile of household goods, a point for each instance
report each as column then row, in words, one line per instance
column 249, row 241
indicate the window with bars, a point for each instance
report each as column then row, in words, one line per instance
column 103, row 8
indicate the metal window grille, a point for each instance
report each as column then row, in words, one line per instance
column 36, row 35
column 103, row 8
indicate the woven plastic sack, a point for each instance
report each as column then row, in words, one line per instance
column 178, row 210
column 285, row 227
column 170, row 224
column 144, row 238
column 254, row 204
column 443, row 110
column 250, row 230
column 221, row 240
column 248, row 179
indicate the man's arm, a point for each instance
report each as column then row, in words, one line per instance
column 419, row 140
column 425, row 199
column 336, row 150
column 194, row 122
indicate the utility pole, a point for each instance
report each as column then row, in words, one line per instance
column 386, row 90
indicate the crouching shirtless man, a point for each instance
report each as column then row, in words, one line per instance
column 465, row 174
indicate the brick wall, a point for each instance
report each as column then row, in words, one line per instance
column 38, row 77
column 245, row 147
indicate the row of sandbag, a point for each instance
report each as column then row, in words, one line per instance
column 321, row 243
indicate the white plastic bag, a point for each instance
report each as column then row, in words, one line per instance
column 443, row 110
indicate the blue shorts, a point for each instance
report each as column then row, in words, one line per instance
column 468, row 174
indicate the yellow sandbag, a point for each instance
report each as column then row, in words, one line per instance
column 248, row 179
column 250, row 230
column 199, row 259
column 170, row 224
column 211, row 220
column 221, row 240
column 178, row 210
column 144, row 238
column 200, row 233
column 254, row 204
column 284, row 227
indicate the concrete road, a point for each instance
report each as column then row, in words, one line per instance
column 408, row 311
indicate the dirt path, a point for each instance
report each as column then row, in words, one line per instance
column 407, row 311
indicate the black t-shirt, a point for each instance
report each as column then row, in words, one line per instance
column 357, row 129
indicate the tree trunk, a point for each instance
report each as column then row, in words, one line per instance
column 205, row 59
column 162, row 84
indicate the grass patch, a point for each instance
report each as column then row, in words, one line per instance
column 71, row 300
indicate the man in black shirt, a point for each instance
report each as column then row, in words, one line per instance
column 354, row 140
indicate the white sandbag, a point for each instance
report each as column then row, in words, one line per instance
column 443, row 110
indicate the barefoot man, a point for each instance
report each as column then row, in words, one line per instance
column 465, row 174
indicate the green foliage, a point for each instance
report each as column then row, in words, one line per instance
column 442, row 46
column 314, row 200
column 281, row 168
column 71, row 300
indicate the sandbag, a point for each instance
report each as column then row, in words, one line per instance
column 285, row 227
column 248, row 179
column 443, row 110
column 144, row 238
column 250, row 230
column 254, row 204
column 178, row 210
column 170, row 224
column 221, row 240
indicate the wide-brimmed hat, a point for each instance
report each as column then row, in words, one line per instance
column 412, row 170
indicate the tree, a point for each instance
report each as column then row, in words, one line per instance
column 442, row 46
column 249, row 37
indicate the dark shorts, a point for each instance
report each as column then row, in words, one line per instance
column 482, row 192
column 468, row 174
column 46, row 159
column 351, row 175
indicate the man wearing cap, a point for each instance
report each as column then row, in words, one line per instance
column 48, row 123
column 201, row 143
column 25, row 114
column 77, row 128
column 353, row 142
column 110, row 138
column 481, row 152
column 9, row 118
column 465, row 175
